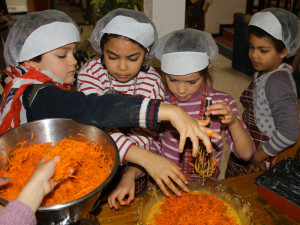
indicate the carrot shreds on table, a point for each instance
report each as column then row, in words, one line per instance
column 90, row 164
column 193, row 208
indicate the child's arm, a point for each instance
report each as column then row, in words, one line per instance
column 257, row 162
column 117, row 111
column 125, row 187
column 243, row 144
column 159, row 168
column 284, row 110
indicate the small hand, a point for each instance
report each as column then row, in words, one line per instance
column 223, row 112
column 257, row 163
column 256, row 166
column 126, row 187
column 188, row 126
column 165, row 172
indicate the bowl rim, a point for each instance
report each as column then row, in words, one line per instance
column 210, row 179
column 89, row 195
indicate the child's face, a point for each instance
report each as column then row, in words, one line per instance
column 60, row 62
column 263, row 54
column 123, row 58
column 184, row 87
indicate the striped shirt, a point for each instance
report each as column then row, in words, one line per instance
column 166, row 144
column 93, row 78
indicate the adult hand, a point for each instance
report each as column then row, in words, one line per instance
column 39, row 184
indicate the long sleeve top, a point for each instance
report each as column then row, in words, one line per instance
column 276, row 110
column 16, row 213
column 166, row 144
column 93, row 78
column 100, row 111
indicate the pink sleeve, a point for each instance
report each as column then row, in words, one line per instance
column 16, row 213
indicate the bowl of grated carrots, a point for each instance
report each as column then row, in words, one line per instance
column 87, row 150
column 211, row 202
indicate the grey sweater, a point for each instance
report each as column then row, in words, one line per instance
column 276, row 110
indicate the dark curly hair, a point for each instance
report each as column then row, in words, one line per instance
column 258, row 32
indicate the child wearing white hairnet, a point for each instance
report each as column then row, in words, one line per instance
column 39, row 52
column 125, row 39
column 186, row 57
column 270, row 101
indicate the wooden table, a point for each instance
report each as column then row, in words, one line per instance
column 263, row 212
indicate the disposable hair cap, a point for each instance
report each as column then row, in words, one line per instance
column 280, row 24
column 186, row 51
column 37, row 33
column 128, row 23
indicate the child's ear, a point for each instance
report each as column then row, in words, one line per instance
column 283, row 54
column 209, row 66
column 31, row 63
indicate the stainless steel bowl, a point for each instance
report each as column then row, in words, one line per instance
column 54, row 130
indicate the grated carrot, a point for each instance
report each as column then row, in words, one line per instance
column 193, row 208
column 91, row 165
column 79, row 134
column 37, row 125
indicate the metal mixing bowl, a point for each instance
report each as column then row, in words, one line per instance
column 54, row 130
column 216, row 187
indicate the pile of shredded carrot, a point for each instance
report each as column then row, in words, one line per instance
column 193, row 208
column 90, row 166
column 205, row 163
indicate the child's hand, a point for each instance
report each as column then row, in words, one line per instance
column 125, row 187
column 165, row 172
column 223, row 112
column 257, row 162
column 187, row 126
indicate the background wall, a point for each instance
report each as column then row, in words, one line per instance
column 221, row 12
column 167, row 15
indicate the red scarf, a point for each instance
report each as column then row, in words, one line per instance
column 11, row 106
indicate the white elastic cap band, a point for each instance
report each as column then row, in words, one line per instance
column 142, row 33
column 182, row 63
column 268, row 22
column 47, row 38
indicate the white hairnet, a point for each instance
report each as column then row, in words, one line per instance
column 186, row 51
column 129, row 23
column 37, row 33
column 280, row 24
